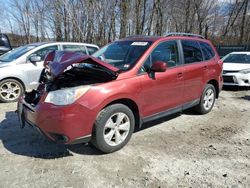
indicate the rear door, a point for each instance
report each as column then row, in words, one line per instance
column 195, row 70
column 163, row 90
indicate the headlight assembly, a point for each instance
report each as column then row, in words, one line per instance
column 245, row 71
column 66, row 96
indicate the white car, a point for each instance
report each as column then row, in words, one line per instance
column 20, row 68
column 236, row 69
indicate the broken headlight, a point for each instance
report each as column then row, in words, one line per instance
column 66, row 96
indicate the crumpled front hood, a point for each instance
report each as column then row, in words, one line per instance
column 58, row 61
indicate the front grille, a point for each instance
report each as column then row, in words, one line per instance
column 32, row 97
column 229, row 71
column 228, row 79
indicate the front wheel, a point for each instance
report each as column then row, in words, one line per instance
column 207, row 100
column 113, row 128
column 10, row 90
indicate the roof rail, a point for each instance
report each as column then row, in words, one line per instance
column 184, row 34
column 139, row 36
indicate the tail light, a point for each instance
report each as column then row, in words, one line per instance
column 220, row 62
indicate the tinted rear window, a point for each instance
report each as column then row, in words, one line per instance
column 207, row 50
column 192, row 52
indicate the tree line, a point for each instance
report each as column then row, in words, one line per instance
column 102, row 21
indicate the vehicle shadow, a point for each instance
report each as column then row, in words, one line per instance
column 235, row 88
column 29, row 142
column 247, row 97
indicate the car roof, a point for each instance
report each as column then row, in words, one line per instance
column 161, row 38
column 76, row 43
column 141, row 38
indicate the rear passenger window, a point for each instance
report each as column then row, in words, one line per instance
column 44, row 51
column 91, row 49
column 75, row 48
column 192, row 52
column 207, row 51
column 166, row 52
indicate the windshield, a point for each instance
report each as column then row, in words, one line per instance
column 122, row 54
column 16, row 53
column 237, row 58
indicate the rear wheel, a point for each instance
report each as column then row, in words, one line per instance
column 113, row 128
column 207, row 100
column 10, row 90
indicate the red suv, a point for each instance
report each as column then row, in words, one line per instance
column 126, row 83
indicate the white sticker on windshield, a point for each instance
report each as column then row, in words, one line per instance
column 139, row 43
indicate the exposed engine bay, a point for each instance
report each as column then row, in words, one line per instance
column 74, row 75
column 66, row 70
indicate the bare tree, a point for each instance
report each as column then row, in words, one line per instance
column 103, row 21
column 124, row 10
column 243, row 22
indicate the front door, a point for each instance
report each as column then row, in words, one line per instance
column 162, row 91
column 33, row 70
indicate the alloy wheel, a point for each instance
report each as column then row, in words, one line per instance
column 116, row 129
column 208, row 99
column 10, row 91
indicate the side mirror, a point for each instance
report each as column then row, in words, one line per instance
column 35, row 58
column 159, row 66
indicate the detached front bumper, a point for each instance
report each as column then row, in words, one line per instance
column 65, row 124
column 236, row 79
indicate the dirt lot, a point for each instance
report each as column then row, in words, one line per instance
column 185, row 150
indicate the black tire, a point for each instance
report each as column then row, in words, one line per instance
column 99, row 128
column 200, row 108
column 12, row 98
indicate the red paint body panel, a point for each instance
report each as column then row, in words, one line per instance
column 163, row 92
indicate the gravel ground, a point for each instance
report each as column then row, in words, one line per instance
column 186, row 150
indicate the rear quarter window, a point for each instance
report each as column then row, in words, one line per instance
column 75, row 48
column 191, row 51
column 207, row 51
column 91, row 49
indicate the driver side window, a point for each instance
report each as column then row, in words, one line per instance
column 44, row 51
column 166, row 52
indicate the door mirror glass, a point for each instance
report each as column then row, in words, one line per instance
column 35, row 58
column 159, row 66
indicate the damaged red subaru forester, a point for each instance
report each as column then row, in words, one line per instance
column 126, row 83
